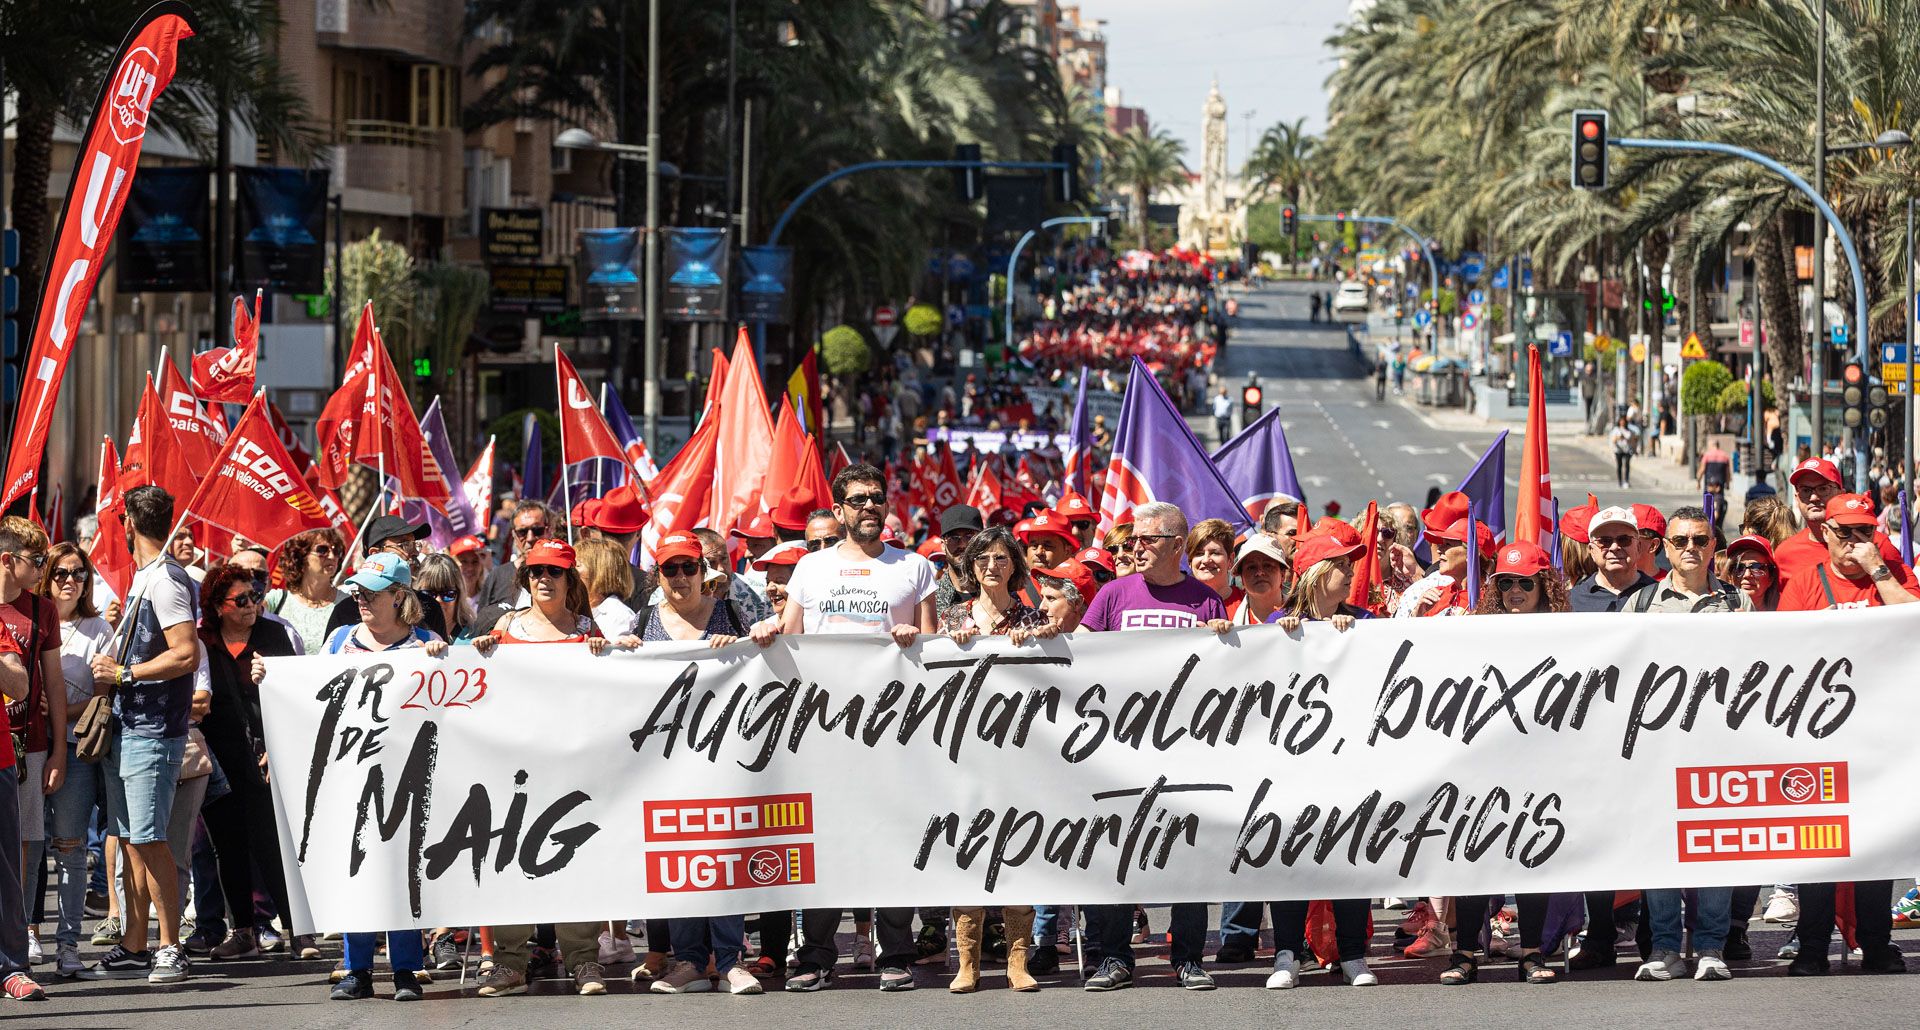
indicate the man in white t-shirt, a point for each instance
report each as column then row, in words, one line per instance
column 860, row 585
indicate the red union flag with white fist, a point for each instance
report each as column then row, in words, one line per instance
column 103, row 170
column 255, row 489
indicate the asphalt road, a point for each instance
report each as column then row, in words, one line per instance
column 1351, row 447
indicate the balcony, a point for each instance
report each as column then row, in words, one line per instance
column 405, row 169
column 415, row 30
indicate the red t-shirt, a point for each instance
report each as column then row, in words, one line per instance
column 1803, row 550
column 33, row 625
column 1805, row 592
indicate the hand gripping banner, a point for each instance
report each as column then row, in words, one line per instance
column 102, row 172
column 1430, row 756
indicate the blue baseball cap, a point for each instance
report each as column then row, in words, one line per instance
column 381, row 571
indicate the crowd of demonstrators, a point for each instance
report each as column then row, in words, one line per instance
column 189, row 863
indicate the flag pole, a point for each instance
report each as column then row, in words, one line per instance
column 566, row 482
column 599, row 464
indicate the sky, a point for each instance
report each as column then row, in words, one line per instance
column 1270, row 55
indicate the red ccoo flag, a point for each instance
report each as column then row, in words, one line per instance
column 154, row 454
column 254, row 489
column 584, row 433
column 198, row 435
column 103, row 168
column 226, row 374
column 1533, row 514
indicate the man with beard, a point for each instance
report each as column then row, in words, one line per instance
column 860, row 585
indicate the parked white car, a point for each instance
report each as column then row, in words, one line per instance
column 1351, row 298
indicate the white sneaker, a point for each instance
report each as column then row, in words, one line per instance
column 1286, row 972
column 67, row 961
column 1356, row 973
column 1710, row 966
column 1663, row 965
column 739, row 981
column 615, row 950
column 35, row 955
column 1391, row 902
column 863, row 955
column 1783, row 907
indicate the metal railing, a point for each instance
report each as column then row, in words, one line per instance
column 390, row 134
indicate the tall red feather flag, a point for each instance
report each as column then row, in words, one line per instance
column 254, row 490
column 110, row 556
column 103, row 170
column 1369, row 582
column 1533, row 514
column 745, row 448
column 226, row 374
column 584, row 433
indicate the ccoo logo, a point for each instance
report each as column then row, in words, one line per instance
column 133, row 91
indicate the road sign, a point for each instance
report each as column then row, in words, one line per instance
column 1422, row 318
column 1470, row 265
column 1637, row 351
column 1476, row 296
column 1562, row 345
column 885, row 327
column 1526, row 278
column 883, row 315
column 1603, row 343
column 1893, row 372
column 1893, row 352
column 1840, row 333
column 1500, row 279
column 1470, row 320
column 1692, row 349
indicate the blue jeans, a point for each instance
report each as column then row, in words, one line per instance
column 405, row 952
column 722, row 937
column 142, row 774
column 72, row 816
column 1711, row 908
column 1240, row 922
column 1046, row 923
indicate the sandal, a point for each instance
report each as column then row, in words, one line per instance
column 1534, row 970
column 1462, row 968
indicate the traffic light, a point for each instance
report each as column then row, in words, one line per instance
column 1590, row 150
column 9, row 304
column 423, row 367
column 1288, row 225
column 1250, row 399
column 1340, row 222
column 1853, row 395
column 968, row 183
column 1879, row 412
column 1066, row 181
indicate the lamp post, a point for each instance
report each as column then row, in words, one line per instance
column 1013, row 261
column 581, row 139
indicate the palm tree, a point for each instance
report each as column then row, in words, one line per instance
column 1144, row 164
column 1279, row 162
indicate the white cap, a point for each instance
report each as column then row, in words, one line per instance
column 1615, row 515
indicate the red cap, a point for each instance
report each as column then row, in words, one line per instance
column 1851, row 510
column 1573, row 522
column 1336, row 528
column 1314, row 548
column 465, row 545
column 760, row 527
column 788, row 553
column 678, row 545
column 1751, row 542
column 1649, row 517
column 1521, row 558
column 551, row 551
column 932, row 549
column 1457, row 534
column 1097, row 556
column 1004, row 517
column 1045, row 523
column 1076, row 508
column 1074, row 571
column 1449, row 509
column 795, row 507
column 586, row 512
column 621, row 511
column 1819, row 468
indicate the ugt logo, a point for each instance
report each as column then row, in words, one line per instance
column 133, row 92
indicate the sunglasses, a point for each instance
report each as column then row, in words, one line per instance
column 325, row 550
column 546, row 571
column 674, row 570
column 819, row 542
column 1607, row 543
column 1754, row 568
column 38, row 561
column 1506, row 583
column 1150, row 539
column 533, row 531
column 245, row 600
column 68, row 576
column 865, row 500
column 446, row 597
column 1852, row 534
column 1700, row 540
column 988, row 561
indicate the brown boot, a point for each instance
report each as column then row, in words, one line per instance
column 967, row 923
column 1019, row 944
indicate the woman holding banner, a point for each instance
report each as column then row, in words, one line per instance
column 1523, row 582
column 559, row 614
column 994, row 571
column 1323, row 576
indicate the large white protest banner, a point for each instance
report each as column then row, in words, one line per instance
column 1432, row 756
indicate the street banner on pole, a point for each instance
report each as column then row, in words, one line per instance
column 280, row 220
column 610, row 281
column 766, row 286
column 108, row 156
column 165, row 246
column 696, row 286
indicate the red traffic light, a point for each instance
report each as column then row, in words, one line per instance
column 1590, row 128
column 1250, row 396
column 1288, row 211
column 1852, row 373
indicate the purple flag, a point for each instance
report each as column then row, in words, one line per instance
column 1156, row 457
column 533, row 473
column 1906, row 531
column 1486, row 487
column 459, row 520
column 1553, row 539
column 1473, row 554
column 1079, row 459
column 1258, row 465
